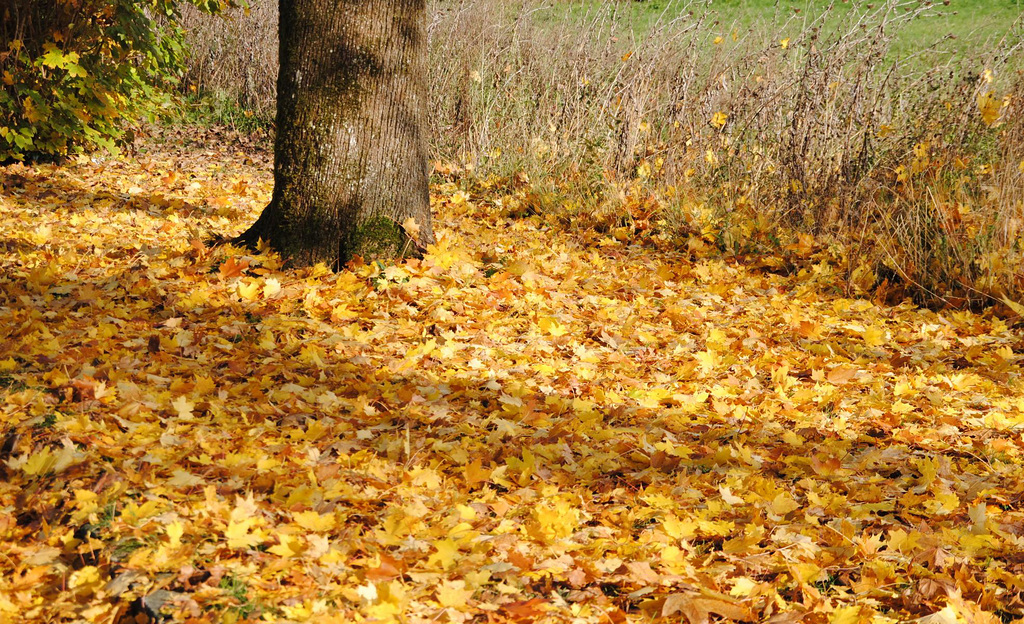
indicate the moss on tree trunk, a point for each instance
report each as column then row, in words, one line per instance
column 379, row 237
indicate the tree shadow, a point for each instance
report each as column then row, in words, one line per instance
column 70, row 193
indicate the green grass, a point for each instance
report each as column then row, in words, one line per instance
column 220, row 109
column 959, row 27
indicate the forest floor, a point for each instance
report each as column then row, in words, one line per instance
column 528, row 424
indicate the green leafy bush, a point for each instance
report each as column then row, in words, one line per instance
column 74, row 73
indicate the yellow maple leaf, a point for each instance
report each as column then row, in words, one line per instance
column 174, row 532
column 244, row 508
column 1017, row 308
column 312, row 521
column 204, row 385
column 183, row 478
column 453, row 594
column 248, row 291
column 792, row 438
column 133, row 512
column 550, row 522
column 444, row 558
column 847, row 615
column 806, row 572
column 946, row 615
column 32, row 113
column 903, row 388
column 729, row 497
column 899, row 407
column 267, row 463
column 98, row 612
column 411, row 227
column 300, row 612
column 86, row 502
column 708, row 359
column 87, row 579
column 47, row 461
column 742, row 587
column 244, row 534
column 288, row 546
column 552, row 326
column 678, row 529
column 990, row 107
column 783, row 504
column 874, row 336
column 366, row 593
column 674, row 558
column 312, row 354
column 979, row 518
column 719, row 119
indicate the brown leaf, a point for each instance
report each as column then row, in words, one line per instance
column 696, row 608
column 731, row 610
column 577, row 578
column 640, row 572
column 683, row 603
column 787, row 617
column 524, row 610
column 520, row 560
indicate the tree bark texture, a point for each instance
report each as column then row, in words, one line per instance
column 350, row 157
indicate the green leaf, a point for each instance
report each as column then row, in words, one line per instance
column 22, row 141
column 53, row 58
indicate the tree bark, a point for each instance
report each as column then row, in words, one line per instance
column 350, row 157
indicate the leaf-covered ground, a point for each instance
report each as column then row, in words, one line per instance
column 528, row 424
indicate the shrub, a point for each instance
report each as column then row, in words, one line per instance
column 74, row 74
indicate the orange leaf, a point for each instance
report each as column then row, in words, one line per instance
column 233, row 268
column 525, row 610
column 389, row 568
column 841, row 374
column 475, row 473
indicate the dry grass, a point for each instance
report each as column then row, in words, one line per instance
column 234, row 57
column 910, row 168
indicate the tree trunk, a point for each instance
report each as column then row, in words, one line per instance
column 350, row 158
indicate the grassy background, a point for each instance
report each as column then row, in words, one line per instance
column 972, row 21
column 946, row 30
